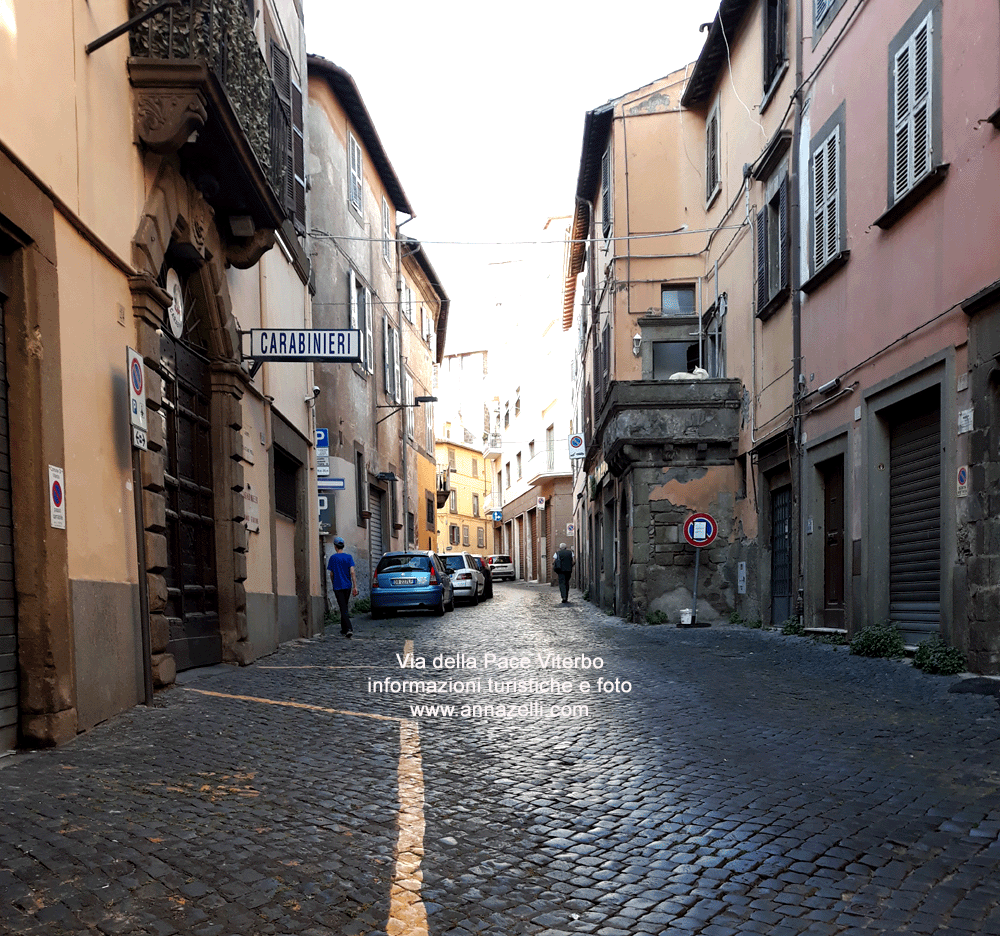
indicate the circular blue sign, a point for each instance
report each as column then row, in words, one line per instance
column 136, row 376
column 700, row 529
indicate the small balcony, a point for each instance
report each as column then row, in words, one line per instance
column 670, row 422
column 546, row 465
column 493, row 445
column 203, row 90
column 443, row 487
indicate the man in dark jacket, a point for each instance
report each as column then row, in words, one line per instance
column 563, row 566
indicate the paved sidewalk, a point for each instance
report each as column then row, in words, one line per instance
column 746, row 782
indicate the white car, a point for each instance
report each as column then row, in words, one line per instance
column 502, row 567
column 466, row 579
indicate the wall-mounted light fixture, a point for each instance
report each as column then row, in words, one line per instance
column 637, row 345
column 396, row 407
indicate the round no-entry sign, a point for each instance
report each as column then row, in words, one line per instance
column 700, row 529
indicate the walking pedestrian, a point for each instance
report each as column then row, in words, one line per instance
column 345, row 583
column 563, row 566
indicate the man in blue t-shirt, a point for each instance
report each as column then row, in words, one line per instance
column 341, row 566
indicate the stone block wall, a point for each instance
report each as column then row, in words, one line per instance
column 979, row 535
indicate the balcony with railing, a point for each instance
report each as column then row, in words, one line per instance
column 203, row 90
column 443, row 487
column 546, row 464
column 493, row 445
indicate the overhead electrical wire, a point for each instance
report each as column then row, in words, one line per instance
column 323, row 235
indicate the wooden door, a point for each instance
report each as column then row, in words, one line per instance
column 833, row 542
column 192, row 588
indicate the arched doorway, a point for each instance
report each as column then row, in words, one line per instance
column 192, row 605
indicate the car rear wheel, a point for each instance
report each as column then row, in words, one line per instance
column 475, row 598
column 451, row 605
column 439, row 608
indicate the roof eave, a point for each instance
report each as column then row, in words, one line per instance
column 709, row 64
column 346, row 90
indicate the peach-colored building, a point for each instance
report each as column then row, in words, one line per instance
column 155, row 202
column 463, row 525
column 657, row 449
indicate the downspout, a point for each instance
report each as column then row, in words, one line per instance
column 399, row 390
column 628, row 223
column 798, row 377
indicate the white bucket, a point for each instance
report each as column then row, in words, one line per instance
column 686, row 616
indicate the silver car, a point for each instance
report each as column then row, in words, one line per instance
column 468, row 582
column 502, row 567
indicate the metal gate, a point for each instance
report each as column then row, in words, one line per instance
column 915, row 522
column 192, row 592
column 8, row 610
column 375, row 525
column 781, row 555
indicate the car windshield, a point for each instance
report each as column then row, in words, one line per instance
column 452, row 563
column 501, row 558
column 402, row 563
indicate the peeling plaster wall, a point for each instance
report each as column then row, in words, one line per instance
column 662, row 563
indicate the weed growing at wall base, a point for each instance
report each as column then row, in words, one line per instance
column 878, row 640
column 936, row 657
column 793, row 627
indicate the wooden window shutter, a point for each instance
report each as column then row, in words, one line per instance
column 783, row 234
column 606, row 193
column 921, row 101
column 711, row 155
column 298, row 161
column 369, row 332
column 282, row 74
column 762, row 287
column 819, row 207
column 912, row 152
column 386, row 366
column 354, row 190
column 901, row 156
column 832, row 194
column 396, row 395
column 781, row 39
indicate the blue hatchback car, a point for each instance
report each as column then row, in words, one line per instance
column 410, row 581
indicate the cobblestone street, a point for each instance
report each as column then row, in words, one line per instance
column 721, row 781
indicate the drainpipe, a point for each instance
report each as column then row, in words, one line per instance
column 402, row 374
column 794, row 251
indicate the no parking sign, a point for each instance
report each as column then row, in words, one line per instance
column 57, row 498
column 700, row 529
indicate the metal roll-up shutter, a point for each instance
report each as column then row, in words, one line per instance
column 375, row 525
column 915, row 524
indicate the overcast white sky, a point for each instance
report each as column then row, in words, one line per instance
column 481, row 108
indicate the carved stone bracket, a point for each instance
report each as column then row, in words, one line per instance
column 244, row 252
column 166, row 117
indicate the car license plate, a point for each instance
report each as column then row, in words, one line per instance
column 406, row 581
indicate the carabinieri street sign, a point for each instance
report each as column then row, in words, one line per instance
column 301, row 344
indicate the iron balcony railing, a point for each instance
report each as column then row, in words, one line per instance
column 220, row 33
